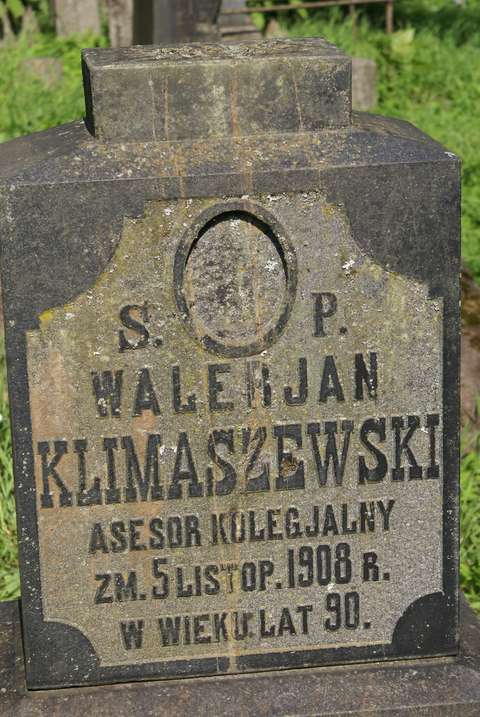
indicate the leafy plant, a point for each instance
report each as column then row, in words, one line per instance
column 9, row 577
column 12, row 13
column 27, row 103
column 15, row 7
column 470, row 534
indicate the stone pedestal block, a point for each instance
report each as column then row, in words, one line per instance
column 364, row 84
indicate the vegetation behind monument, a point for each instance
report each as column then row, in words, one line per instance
column 429, row 72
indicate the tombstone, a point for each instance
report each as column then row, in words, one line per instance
column 364, row 83
column 232, row 340
column 120, row 22
column 236, row 26
column 172, row 21
column 73, row 17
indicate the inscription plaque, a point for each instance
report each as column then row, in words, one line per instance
column 234, row 423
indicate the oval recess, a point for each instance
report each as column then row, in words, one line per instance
column 235, row 279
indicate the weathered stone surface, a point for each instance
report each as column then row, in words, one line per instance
column 201, row 91
column 240, row 487
column 72, row 16
column 364, row 83
column 430, row 688
column 163, row 22
column 234, row 387
column 120, row 22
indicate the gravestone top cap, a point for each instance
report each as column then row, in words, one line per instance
column 201, row 91
column 147, row 54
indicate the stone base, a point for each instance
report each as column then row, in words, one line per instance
column 424, row 688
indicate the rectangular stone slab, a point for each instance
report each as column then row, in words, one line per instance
column 233, row 370
column 209, row 90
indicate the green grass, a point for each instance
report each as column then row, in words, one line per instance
column 9, row 578
column 470, row 523
column 27, row 103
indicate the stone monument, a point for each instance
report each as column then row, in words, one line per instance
column 160, row 22
column 364, row 84
column 232, row 337
column 234, row 25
